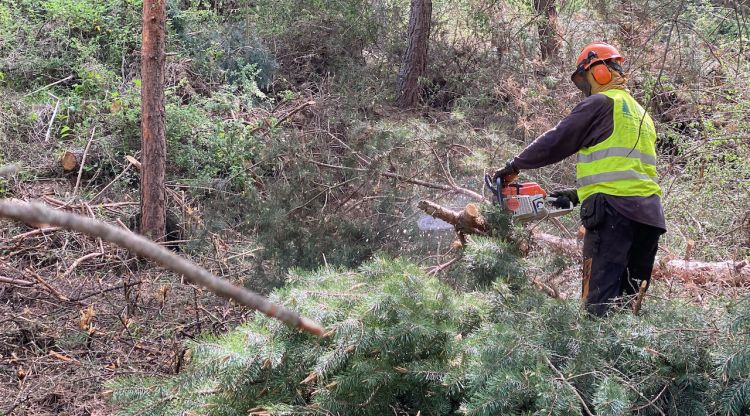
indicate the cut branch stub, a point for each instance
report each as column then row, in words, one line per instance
column 467, row 221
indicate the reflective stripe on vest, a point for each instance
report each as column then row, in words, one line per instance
column 617, row 151
column 623, row 164
column 611, row 176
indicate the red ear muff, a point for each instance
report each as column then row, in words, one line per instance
column 601, row 74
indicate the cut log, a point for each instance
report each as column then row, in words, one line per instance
column 728, row 272
column 71, row 159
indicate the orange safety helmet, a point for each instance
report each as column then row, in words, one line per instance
column 591, row 55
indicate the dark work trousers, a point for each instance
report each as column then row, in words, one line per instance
column 618, row 254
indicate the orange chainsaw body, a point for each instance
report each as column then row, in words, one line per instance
column 528, row 201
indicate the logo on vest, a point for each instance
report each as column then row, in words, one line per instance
column 625, row 108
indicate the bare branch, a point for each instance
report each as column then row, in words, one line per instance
column 414, row 181
column 572, row 388
column 83, row 162
column 146, row 248
column 19, row 282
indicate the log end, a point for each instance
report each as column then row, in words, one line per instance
column 472, row 210
column 70, row 160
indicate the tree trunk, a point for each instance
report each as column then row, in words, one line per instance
column 549, row 39
column 415, row 59
column 153, row 144
column 468, row 221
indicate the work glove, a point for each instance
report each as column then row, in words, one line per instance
column 564, row 197
column 508, row 173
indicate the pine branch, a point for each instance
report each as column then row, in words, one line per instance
column 567, row 383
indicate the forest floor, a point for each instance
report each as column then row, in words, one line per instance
column 78, row 312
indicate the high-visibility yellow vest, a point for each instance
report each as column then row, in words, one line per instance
column 624, row 164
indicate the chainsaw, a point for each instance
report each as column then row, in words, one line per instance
column 527, row 201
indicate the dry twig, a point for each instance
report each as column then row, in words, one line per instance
column 83, row 162
column 19, row 282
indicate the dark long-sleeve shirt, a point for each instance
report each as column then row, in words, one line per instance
column 591, row 122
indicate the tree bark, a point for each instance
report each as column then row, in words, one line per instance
column 468, row 221
column 549, row 39
column 153, row 144
column 415, row 59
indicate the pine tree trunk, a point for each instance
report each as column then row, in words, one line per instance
column 549, row 39
column 153, row 144
column 415, row 59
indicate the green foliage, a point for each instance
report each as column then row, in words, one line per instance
column 611, row 397
column 401, row 341
column 221, row 48
column 392, row 334
column 490, row 259
column 315, row 37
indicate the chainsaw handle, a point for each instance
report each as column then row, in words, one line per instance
column 497, row 189
column 499, row 186
column 488, row 182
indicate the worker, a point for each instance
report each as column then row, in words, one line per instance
column 621, row 209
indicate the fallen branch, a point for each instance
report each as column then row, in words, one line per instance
column 18, row 282
column 124, row 171
column 47, row 286
column 562, row 378
column 83, row 162
column 293, row 112
column 414, row 181
column 440, row 267
column 69, row 77
column 700, row 272
column 639, row 298
column 148, row 249
column 79, row 261
column 278, row 122
column 105, row 290
column 52, row 119
column 456, row 189
column 730, row 272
